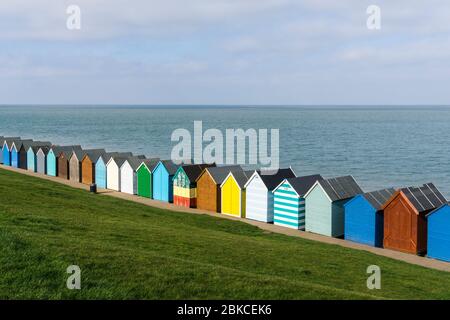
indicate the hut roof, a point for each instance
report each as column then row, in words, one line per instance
column 301, row 185
column 379, row 197
column 107, row 156
column 9, row 140
column 150, row 163
column 241, row 177
column 271, row 181
column 340, row 188
column 134, row 162
column 424, row 198
column 27, row 144
column 193, row 171
column 220, row 173
column 66, row 150
column 170, row 166
column 44, row 149
column 80, row 153
column 19, row 142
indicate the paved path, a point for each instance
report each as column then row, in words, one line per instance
column 421, row 261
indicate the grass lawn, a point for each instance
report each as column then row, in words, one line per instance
column 130, row 251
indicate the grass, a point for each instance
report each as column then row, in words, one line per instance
column 130, row 251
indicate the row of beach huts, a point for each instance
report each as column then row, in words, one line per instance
column 411, row 219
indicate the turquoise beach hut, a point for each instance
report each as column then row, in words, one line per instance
column 101, row 170
column 52, row 157
column 289, row 201
column 324, row 205
column 162, row 180
column 31, row 158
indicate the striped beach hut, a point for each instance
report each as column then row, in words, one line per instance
column 88, row 166
column 75, row 170
column 208, row 187
column 100, row 167
column 144, row 177
column 41, row 159
column 23, row 152
column 53, row 155
column 289, row 201
column 438, row 240
column 15, row 151
column 128, row 176
column 233, row 193
column 162, row 180
column 324, row 205
column 364, row 221
column 405, row 222
column 185, row 184
column 259, row 196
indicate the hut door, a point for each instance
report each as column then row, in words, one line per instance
column 400, row 225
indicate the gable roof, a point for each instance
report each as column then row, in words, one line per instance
column 169, row 165
column 27, row 144
column 18, row 143
column 447, row 204
column 379, row 197
column 218, row 174
column 108, row 155
column 150, row 164
column 271, row 181
column 45, row 149
column 301, row 185
column 424, row 198
column 340, row 188
column 80, row 153
column 241, row 177
column 94, row 154
column 134, row 162
column 66, row 150
column 193, row 171
column 9, row 141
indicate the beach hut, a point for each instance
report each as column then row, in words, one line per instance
column 208, row 187
column 289, row 201
column 162, row 180
column 31, row 158
column 185, row 184
column 2, row 141
column 63, row 167
column 233, row 193
column 113, row 172
column 405, row 223
column 438, row 240
column 144, row 177
column 324, row 205
column 75, row 170
column 53, row 155
column 6, row 150
column 15, row 148
column 23, row 152
column 128, row 173
column 88, row 166
column 41, row 159
column 364, row 217
column 100, row 167
column 259, row 196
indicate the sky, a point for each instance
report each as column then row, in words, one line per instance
column 244, row 52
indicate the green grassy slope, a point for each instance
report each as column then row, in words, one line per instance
column 130, row 251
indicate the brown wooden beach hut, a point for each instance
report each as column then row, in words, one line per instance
column 75, row 169
column 208, row 186
column 405, row 224
column 63, row 154
column 88, row 165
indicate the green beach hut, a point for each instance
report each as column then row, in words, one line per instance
column 144, row 177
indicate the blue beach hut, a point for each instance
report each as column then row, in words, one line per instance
column 289, row 202
column 5, row 154
column 162, row 180
column 15, row 149
column 364, row 220
column 438, row 239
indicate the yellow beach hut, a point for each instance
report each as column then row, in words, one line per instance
column 233, row 193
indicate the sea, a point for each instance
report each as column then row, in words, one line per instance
column 380, row 146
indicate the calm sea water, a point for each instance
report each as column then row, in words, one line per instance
column 381, row 147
